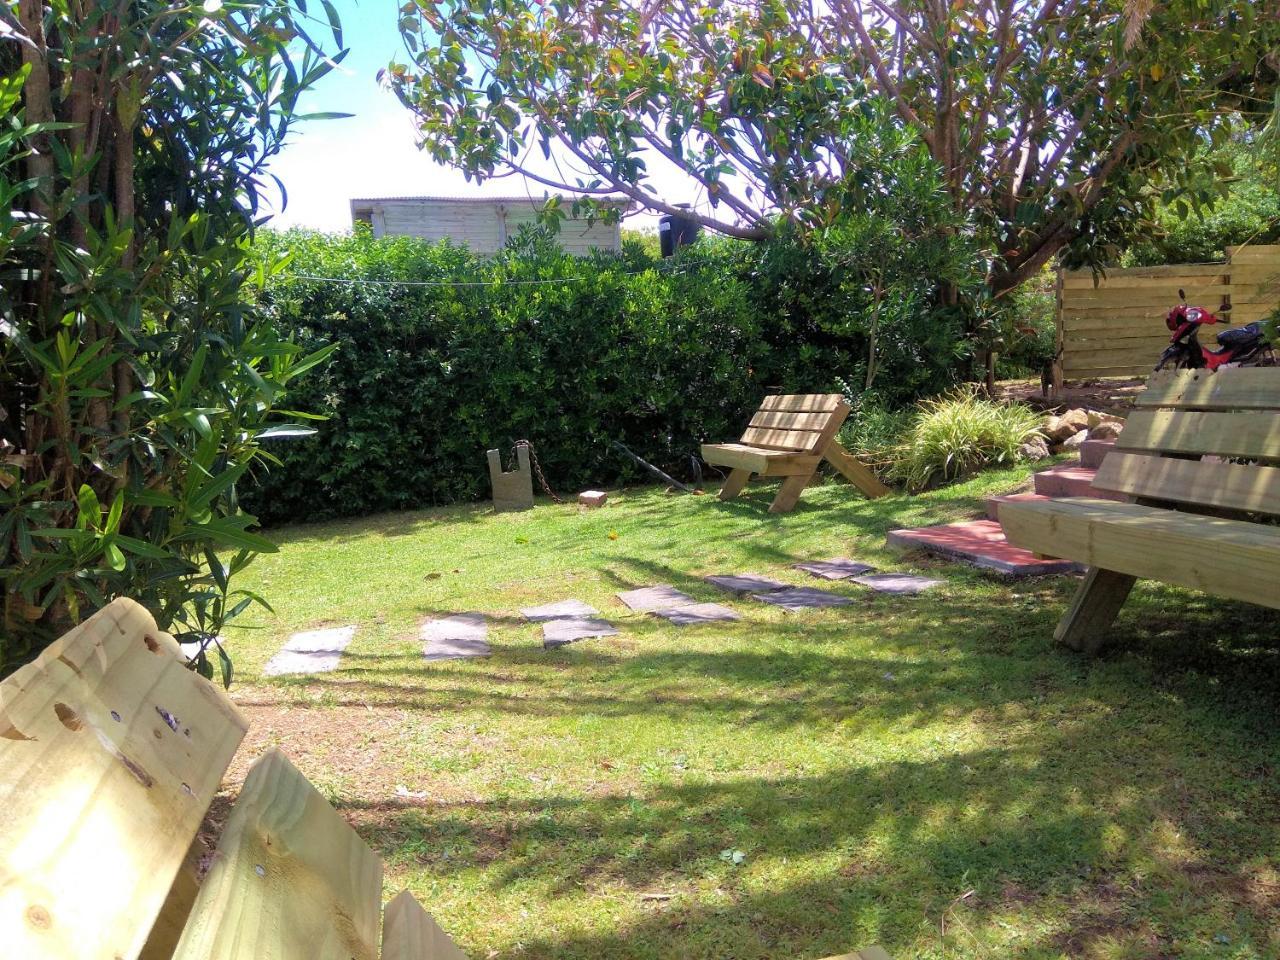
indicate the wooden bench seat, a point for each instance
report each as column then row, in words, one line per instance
column 111, row 751
column 1190, row 521
column 789, row 436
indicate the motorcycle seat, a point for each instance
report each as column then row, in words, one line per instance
column 1245, row 336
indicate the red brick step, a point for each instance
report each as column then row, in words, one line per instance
column 1070, row 480
column 1092, row 452
column 981, row 543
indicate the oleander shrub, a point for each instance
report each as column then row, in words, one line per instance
column 959, row 433
column 570, row 354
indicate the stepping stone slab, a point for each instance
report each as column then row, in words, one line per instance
column 745, row 582
column 898, row 582
column 652, row 599
column 559, row 611
column 311, row 651
column 693, row 614
column 557, row 633
column 457, row 637
column 803, row 598
column 836, row 568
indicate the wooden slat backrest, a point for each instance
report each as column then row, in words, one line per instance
column 290, row 880
column 1237, row 388
column 110, row 752
column 1187, row 414
column 409, row 933
column 1247, row 488
column 803, row 422
column 1250, row 434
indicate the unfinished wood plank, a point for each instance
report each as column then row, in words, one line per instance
column 792, row 440
column 1162, row 282
column 855, row 471
column 1101, row 372
column 802, row 402
column 791, row 421
column 1229, row 486
column 735, row 483
column 110, row 752
column 1175, row 270
column 739, row 456
column 290, row 881
column 1093, row 610
column 792, row 466
column 1119, row 356
column 167, row 929
column 410, row 933
column 1234, row 388
column 1229, row 558
column 789, row 493
column 1252, row 434
column 1110, row 296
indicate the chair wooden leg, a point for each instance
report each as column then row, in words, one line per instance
column 789, row 493
column 1093, row 609
column 732, row 486
column 855, row 471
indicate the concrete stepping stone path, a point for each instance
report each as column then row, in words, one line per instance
column 803, row 598
column 743, row 583
column 311, row 651
column 655, row 599
column 898, row 582
column 837, row 568
column 675, row 606
column 458, row 637
column 559, row 611
column 557, row 633
column 694, row 614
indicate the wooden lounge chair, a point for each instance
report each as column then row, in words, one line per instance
column 789, row 436
column 110, row 753
column 1192, row 522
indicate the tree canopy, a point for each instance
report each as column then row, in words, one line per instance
column 1049, row 119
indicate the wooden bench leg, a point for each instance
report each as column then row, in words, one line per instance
column 789, row 494
column 855, row 471
column 1093, row 609
column 737, row 479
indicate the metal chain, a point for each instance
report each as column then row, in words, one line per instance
column 537, row 468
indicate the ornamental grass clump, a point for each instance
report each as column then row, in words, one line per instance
column 959, row 433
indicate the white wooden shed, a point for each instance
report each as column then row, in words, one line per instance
column 482, row 223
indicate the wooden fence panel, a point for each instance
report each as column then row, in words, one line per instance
column 1113, row 325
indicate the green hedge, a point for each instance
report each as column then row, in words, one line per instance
column 659, row 355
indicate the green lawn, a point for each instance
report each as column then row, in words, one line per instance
column 929, row 773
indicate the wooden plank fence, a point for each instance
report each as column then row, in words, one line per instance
column 1113, row 325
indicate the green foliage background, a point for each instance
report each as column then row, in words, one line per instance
column 659, row 355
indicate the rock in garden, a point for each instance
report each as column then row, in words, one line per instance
column 1074, row 441
column 1057, row 429
column 1106, row 430
column 1097, row 416
column 1037, row 448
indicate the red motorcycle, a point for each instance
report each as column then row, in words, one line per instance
column 1245, row 346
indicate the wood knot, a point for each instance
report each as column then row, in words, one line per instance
column 39, row 918
column 68, row 717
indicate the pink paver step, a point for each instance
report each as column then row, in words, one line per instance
column 981, row 543
column 993, row 503
column 1092, row 452
column 1070, row 480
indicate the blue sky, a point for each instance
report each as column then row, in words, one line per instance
column 372, row 153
